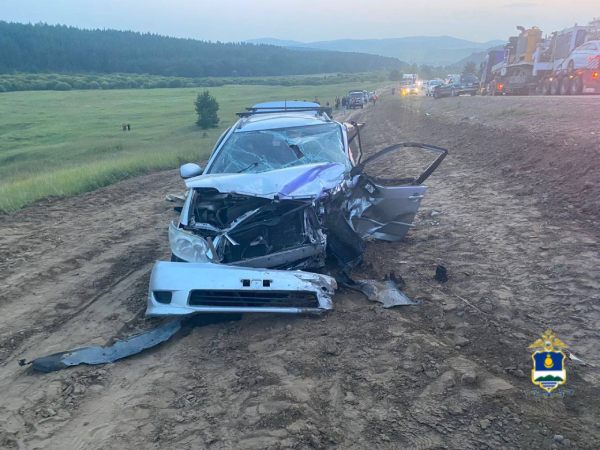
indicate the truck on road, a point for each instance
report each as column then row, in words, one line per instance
column 565, row 63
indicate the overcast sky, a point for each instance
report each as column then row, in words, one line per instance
column 307, row 20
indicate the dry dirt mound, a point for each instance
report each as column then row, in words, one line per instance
column 550, row 143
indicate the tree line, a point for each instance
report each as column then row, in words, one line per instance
column 39, row 48
column 66, row 82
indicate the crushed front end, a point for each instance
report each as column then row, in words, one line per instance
column 241, row 241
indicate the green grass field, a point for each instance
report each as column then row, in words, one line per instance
column 64, row 143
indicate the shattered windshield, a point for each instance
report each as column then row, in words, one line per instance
column 264, row 150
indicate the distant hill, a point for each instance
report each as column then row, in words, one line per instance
column 431, row 50
column 62, row 49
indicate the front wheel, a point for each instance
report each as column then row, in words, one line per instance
column 565, row 86
column 555, row 87
column 576, row 86
column 546, row 87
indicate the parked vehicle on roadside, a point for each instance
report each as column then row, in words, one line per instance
column 463, row 84
column 356, row 99
column 284, row 188
column 430, row 85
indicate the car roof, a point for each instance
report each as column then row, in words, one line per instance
column 283, row 104
column 281, row 118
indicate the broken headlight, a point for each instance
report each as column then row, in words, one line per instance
column 187, row 246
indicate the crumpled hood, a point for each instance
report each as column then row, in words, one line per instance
column 306, row 181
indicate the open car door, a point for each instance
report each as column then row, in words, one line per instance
column 385, row 208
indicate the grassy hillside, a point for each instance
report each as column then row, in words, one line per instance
column 64, row 143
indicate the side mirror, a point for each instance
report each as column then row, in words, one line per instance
column 190, row 170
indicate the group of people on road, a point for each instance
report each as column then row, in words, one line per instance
column 342, row 102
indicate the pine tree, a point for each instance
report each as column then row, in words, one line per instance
column 207, row 107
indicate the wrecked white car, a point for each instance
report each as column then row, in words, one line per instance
column 284, row 190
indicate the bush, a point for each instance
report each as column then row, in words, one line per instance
column 62, row 86
column 206, row 108
column 175, row 83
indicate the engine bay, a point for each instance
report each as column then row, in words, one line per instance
column 243, row 227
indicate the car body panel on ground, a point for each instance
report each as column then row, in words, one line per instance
column 178, row 288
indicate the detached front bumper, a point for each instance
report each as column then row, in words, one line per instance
column 186, row 288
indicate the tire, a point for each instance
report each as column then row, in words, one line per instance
column 546, row 87
column 555, row 87
column 565, row 86
column 576, row 86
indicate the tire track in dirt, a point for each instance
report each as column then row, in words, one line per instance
column 83, row 285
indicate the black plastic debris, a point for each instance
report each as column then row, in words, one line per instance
column 102, row 355
column 123, row 348
column 441, row 274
